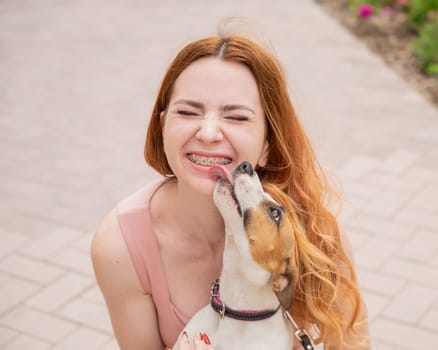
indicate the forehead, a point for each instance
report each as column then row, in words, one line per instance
column 217, row 79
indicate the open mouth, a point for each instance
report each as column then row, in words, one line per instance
column 208, row 161
column 221, row 174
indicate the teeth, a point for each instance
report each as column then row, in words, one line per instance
column 208, row 161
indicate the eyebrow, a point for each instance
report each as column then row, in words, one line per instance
column 228, row 108
column 225, row 108
column 191, row 103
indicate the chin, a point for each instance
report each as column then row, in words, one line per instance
column 204, row 186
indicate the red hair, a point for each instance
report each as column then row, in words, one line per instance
column 326, row 278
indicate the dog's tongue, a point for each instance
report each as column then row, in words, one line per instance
column 217, row 172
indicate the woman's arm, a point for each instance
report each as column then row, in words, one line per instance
column 132, row 312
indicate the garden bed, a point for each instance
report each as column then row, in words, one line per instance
column 391, row 37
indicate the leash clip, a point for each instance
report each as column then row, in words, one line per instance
column 300, row 333
column 222, row 311
column 213, row 290
column 214, row 293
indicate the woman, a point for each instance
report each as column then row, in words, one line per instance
column 223, row 100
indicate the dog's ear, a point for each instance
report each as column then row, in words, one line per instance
column 283, row 286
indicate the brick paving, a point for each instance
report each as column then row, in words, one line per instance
column 78, row 79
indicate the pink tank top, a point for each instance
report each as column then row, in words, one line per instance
column 135, row 223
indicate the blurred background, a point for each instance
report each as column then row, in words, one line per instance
column 78, row 80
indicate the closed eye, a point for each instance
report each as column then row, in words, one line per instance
column 237, row 118
column 188, row 113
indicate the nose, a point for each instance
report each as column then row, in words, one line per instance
column 209, row 130
column 246, row 168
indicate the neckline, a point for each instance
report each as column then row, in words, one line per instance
column 162, row 272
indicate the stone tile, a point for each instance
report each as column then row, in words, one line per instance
column 84, row 243
column 59, row 292
column 15, row 291
column 94, row 295
column 75, row 218
column 360, row 189
column 88, row 314
column 410, row 215
column 385, row 180
column 351, row 209
column 411, row 304
column 6, row 335
column 426, row 199
column 380, row 283
column 379, row 345
column 422, row 174
column 375, row 303
column 30, row 269
column 73, row 259
column 413, row 271
column 383, row 227
column 4, row 279
column 375, row 252
column 422, row 246
column 25, row 342
column 112, row 345
column 387, row 203
column 33, row 226
column 11, row 242
column 41, row 325
column 402, row 335
column 357, row 238
column 357, row 166
column 400, row 160
column 434, row 260
column 50, row 243
column 82, row 338
column 430, row 320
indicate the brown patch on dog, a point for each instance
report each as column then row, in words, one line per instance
column 272, row 246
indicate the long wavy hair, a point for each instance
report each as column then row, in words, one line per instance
column 326, row 284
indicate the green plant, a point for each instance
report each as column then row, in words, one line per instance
column 355, row 4
column 425, row 47
column 377, row 4
column 418, row 10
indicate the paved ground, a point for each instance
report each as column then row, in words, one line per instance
column 78, row 79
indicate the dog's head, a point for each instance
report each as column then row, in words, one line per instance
column 269, row 235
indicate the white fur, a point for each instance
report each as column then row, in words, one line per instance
column 244, row 285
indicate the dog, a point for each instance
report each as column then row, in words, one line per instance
column 258, row 275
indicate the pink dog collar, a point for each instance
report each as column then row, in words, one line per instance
column 255, row 315
column 242, row 315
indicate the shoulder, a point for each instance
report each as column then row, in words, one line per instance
column 129, row 308
column 107, row 240
column 140, row 198
column 110, row 256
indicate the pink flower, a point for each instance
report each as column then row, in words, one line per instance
column 365, row 10
column 387, row 10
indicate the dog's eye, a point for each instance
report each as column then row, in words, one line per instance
column 275, row 214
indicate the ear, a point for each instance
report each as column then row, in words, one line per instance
column 283, row 286
column 264, row 155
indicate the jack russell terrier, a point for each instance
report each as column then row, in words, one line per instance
column 247, row 309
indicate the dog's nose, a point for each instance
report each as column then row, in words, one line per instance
column 246, row 168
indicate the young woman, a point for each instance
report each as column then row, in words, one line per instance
column 223, row 100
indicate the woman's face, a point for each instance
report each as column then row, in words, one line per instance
column 214, row 116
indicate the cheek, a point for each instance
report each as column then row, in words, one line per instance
column 176, row 132
column 248, row 142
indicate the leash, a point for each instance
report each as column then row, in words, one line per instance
column 255, row 315
column 300, row 333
